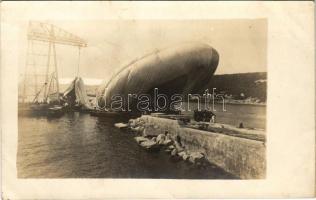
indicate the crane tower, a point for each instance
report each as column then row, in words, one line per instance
column 40, row 79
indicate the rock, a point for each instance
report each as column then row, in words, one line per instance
column 153, row 139
column 136, row 129
column 196, row 157
column 180, row 149
column 156, row 127
column 171, row 147
column 178, row 146
column 161, row 136
column 174, row 152
column 140, row 139
column 120, row 125
column 161, row 141
column 167, row 142
column 183, row 155
column 168, row 137
column 149, row 145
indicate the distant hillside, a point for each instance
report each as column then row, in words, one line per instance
column 241, row 86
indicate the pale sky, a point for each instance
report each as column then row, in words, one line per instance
column 241, row 43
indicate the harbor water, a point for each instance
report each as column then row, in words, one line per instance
column 78, row 145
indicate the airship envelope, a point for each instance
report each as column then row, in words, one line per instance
column 182, row 69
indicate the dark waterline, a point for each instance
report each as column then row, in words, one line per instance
column 80, row 146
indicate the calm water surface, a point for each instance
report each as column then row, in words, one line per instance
column 80, row 146
column 252, row 116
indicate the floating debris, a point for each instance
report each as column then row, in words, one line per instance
column 120, row 125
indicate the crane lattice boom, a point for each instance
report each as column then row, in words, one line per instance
column 50, row 33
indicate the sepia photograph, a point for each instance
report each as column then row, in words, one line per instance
column 182, row 94
column 157, row 100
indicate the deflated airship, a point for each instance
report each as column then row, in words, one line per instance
column 183, row 69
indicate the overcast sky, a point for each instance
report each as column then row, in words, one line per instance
column 242, row 44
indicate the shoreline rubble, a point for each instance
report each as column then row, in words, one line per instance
column 163, row 142
column 203, row 144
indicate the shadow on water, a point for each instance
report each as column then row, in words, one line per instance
column 80, row 146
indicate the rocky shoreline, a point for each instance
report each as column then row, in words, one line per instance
column 163, row 142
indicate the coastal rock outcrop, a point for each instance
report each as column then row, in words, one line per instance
column 169, row 144
column 140, row 139
column 196, row 157
column 149, row 145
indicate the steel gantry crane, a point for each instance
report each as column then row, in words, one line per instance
column 47, row 35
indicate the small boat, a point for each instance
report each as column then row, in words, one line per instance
column 55, row 111
column 41, row 109
column 33, row 109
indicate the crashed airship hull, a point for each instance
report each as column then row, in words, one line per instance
column 183, row 69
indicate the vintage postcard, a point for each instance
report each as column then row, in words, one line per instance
column 157, row 100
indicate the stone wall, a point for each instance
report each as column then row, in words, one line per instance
column 241, row 157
